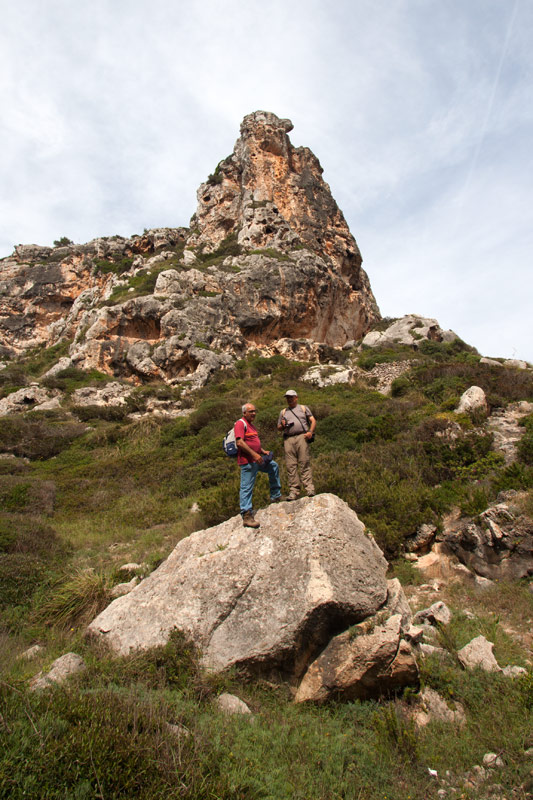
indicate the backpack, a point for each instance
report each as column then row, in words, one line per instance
column 229, row 445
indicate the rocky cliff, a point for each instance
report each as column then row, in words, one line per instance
column 268, row 260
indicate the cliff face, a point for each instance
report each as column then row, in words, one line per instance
column 268, row 260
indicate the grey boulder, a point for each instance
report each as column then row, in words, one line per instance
column 267, row 600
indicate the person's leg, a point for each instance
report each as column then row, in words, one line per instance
column 304, row 463
column 248, row 476
column 272, row 470
column 291, row 461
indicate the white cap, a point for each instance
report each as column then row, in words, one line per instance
column 291, row 393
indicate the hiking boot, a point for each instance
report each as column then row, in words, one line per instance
column 248, row 520
column 281, row 499
column 311, row 494
column 292, row 497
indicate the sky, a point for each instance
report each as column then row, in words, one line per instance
column 420, row 112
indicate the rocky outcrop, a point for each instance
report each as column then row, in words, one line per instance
column 267, row 603
column 268, row 257
column 498, row 544
column 504, row 425
column 495, row 545
column 409, row 330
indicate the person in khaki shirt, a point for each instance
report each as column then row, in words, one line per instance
column 297, row 425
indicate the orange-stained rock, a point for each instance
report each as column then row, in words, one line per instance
column 285, row 274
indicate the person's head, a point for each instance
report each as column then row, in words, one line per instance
column 249, row 411
column 291, row 397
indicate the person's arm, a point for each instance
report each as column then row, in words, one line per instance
column 312, row 425
column 282, row 421
column 241, row 444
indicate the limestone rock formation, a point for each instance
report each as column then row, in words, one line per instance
column 409, row 330
column 267, row 602
column 268, row 257
column 498, row 544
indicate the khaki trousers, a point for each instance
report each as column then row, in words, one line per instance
column 297, row 456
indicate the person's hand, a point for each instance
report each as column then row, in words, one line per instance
column 308, row 435
column 258, row 459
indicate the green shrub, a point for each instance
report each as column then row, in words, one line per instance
column 117, row 265
column 62, row 242
column 36, row 438
column 109, row 413
column 71, row 378
column 39, row 360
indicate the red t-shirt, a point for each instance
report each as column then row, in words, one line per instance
column 250, row 437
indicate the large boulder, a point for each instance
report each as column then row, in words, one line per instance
column 266, row 601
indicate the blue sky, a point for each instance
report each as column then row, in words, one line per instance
column 420, row 111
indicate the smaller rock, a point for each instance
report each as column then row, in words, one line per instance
column 478, row 653
column 516, row 363
column 61, row 669
column 360, row 664
column 132, row 566
column 477, row 774
column 230, row 704
column 31, row 652
column 423, row 538
column 414, row 634
column 121, row 589
column 472, row 400
column 490, row 361
column 189, row 258
column 178, row 730
column 434, row 707
column 514, row 671
column 492, row 760
column 194, row 509
column 397, row 602
column 438, row 613
column 429, row 650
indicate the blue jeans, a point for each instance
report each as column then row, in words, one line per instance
column 248, row 476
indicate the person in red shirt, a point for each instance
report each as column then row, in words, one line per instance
column 253, row 459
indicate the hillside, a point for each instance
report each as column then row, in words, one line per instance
column 124, row 364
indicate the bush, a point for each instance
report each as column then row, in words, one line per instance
column 108, row 413
column 71, row 378
column 117, row 265
column 36, row 438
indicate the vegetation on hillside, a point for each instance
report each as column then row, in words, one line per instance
column 85, row 492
